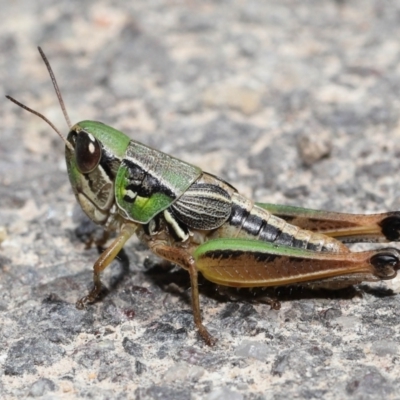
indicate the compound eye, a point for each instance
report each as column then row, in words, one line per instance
column 87, row 152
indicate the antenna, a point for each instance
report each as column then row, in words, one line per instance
column 68, row 144
column 60, row 100
column 56, row 88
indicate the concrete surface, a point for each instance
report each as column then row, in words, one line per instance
column 293, row 102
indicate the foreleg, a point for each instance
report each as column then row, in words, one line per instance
column 104, row 261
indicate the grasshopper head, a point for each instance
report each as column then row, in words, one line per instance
column 93, row 153
column 93, row 157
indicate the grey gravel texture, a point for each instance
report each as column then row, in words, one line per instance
column 294, row 102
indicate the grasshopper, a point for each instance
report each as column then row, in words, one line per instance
column 203, row 224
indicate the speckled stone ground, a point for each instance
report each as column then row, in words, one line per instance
column 293, row 102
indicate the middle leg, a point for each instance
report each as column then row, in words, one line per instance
column 185, row 260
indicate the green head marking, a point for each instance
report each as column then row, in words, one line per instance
column 113, row 140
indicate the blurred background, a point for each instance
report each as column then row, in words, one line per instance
column 293, row 102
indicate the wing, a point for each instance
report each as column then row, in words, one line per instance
column 350, row 228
